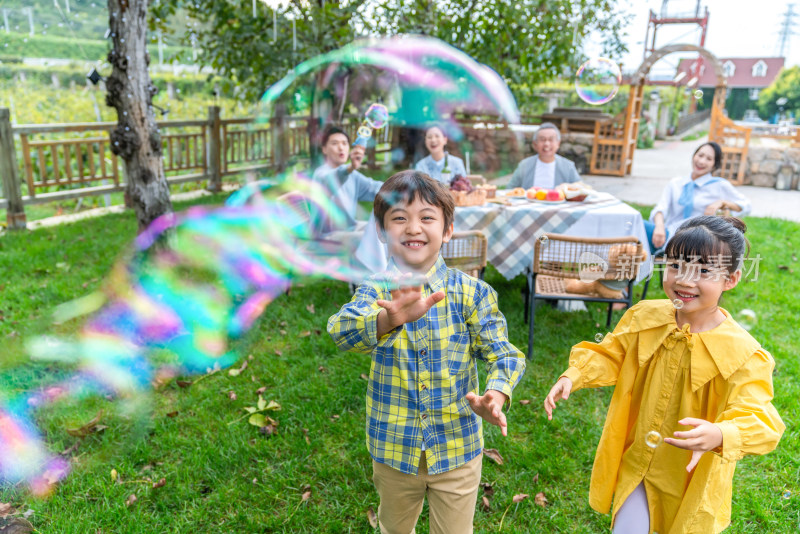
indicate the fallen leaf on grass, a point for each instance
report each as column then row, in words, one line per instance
column 783, row 267
column 536, row 478
column 16, row 525
column 283, row 323
column 335, row 417
column 184, row 383
column 237, row 372
column 131, row 499
column 362, row 376
column 519, row 497
column 70, row 450
column 261, row 390
column 321, row 369
column 306, row 495
column 172, row 414
column 160, row 483
column 488, row 490
column 282, row 332
column 305, row 432
column 493, row 455
column 484, row 504
column 267, row 430
column 310, row 308
column 232, row 395
column 278, row 353
column 114, row 475
column 372, row 518
column 305, row 334
column 89, row 428
column 6, row 509
column 524, row 402
column 540, row 499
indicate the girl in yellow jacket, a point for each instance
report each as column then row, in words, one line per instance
column 685, row 370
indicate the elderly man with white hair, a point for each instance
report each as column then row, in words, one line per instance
column 546, row 169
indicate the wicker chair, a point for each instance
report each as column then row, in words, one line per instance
column 560, row 258
column 466, row 251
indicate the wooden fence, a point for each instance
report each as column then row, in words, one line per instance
column 44, row 163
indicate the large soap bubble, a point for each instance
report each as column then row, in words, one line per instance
column 193, row 283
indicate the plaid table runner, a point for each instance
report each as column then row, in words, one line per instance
column 511, row 230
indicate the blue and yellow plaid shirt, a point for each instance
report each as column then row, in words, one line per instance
column 421, row 372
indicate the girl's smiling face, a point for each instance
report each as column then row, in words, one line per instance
column 435, row 142
column 696, row 288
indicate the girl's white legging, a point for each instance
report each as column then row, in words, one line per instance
column 634, row 516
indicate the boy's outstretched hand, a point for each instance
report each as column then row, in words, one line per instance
column 489, row 407
column 560, row 390
column 407, row 305
column 704, row 437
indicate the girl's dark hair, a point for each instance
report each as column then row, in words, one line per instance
column 710, row 240
column 717, row 154
column 405, row 186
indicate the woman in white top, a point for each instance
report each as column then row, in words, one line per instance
column 698, row 194
column 434, row 164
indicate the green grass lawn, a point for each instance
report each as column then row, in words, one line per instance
column 223, row 477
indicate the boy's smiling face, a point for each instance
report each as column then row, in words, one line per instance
column 414, row 233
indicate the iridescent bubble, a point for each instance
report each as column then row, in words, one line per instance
column 377, row 116
column 677, row 303
column 653, row 439
column 747, row 319
column 787, row 494
column 698, row 94
column 598, row 337
column 543, row 239
column 194, row 283
column 597, row 81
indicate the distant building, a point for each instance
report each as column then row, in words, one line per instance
column 747, row 77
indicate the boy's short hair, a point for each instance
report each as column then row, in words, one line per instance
column 332, row 130
column 405, row 186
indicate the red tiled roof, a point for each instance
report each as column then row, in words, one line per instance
column 742, row 75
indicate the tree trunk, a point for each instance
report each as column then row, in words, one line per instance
column 129, row 90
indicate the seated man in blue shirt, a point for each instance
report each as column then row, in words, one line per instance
column 546, row 169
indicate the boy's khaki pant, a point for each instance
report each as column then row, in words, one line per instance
column 451, row 497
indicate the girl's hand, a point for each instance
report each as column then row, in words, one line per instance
column 559, row 391
column 704, row 437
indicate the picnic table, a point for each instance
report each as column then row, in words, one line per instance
column 511, row 230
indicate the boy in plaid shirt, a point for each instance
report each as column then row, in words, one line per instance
column 424, row 415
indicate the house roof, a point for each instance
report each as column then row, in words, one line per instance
column 742, row 74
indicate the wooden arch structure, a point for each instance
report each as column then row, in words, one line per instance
column 615, row 141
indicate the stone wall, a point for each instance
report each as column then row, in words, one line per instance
column 577, row 147
column 773, row 167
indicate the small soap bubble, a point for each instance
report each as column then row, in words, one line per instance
column 653, row 439
column 543, row 239
column 678, row 303
column 597, row 81
column 787, row 494
column 127, row 129
column 376, row 116
column 698, row 94
column 628, row 226
column 598, row 337
column 746, row 318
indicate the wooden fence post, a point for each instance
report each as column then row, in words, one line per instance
column 15, row 210
column 214, row 150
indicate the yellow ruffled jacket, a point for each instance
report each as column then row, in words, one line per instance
column 662, row 374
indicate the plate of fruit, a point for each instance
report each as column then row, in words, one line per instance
column 545, row 196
